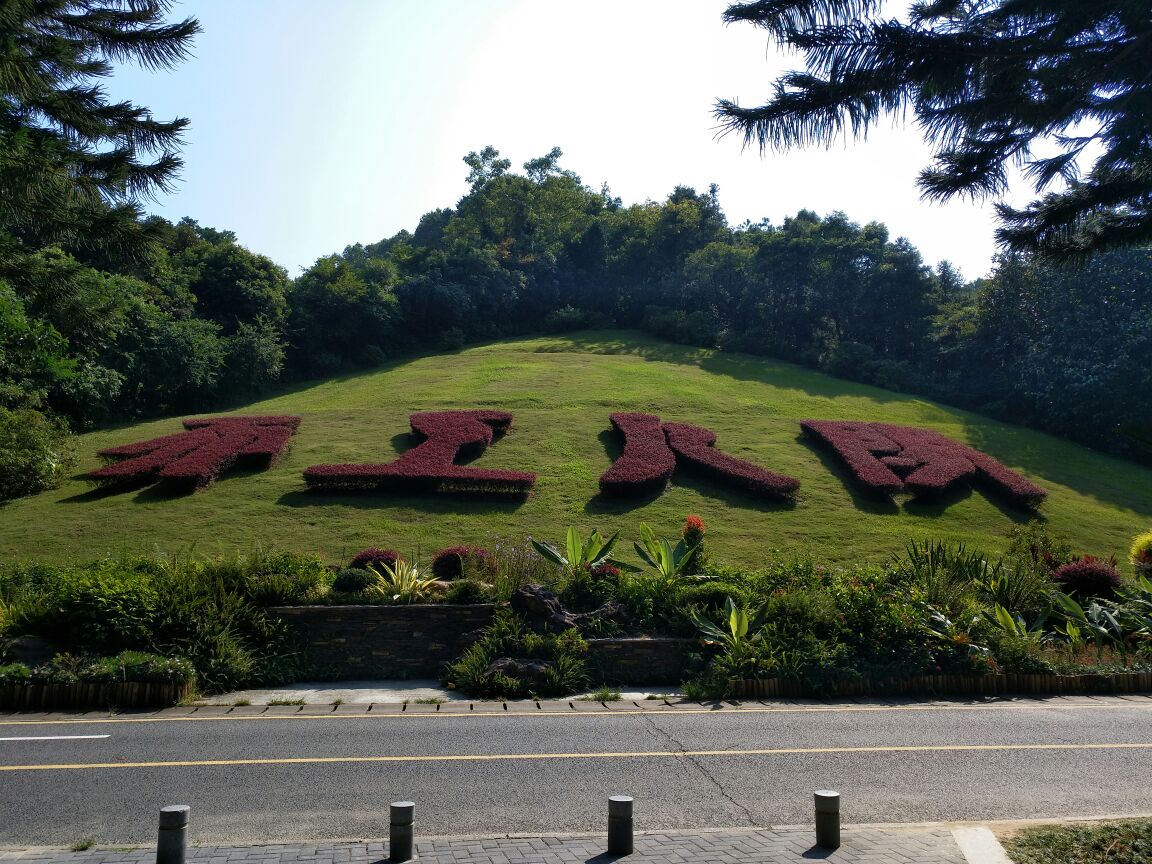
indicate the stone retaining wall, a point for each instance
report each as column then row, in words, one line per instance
column 384, row 641
column 416, row 641
column 655, row 660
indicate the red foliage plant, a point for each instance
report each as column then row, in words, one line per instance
column 693, row 446
column 450, row 563
column 887, row 459
column 192, row 459
column 1088, row 577
column 430, row 465
column 647, row 461
column 375, row 556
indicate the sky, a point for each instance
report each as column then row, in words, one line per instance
column 318, row 125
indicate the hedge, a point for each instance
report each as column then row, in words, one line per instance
column 429, row 466
column 194, row 458
column 887, row 459
column 693, row 446
column 647, row 461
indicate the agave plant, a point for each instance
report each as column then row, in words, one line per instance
column 581, row 555
column 400, row 582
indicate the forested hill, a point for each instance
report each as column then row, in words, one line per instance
column 193, row 321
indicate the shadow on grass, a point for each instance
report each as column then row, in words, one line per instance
column 730, row 495
column 617, row 505
column 1106, row 478
column 935, row 507
column 764, row 369
column 445, row 503
column 869, row 502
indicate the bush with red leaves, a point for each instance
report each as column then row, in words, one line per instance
column 693, row 446
column 646, row 463
column 887, row 459
column 1088, row 577
column 193, row 459
column 374, row 556
column 429, row 466
column 453, row 563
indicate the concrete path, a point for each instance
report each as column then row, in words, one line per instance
column 920, row 844
column 417, row 690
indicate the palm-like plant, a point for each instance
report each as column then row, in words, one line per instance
column 581, row 555
column 1098, row 622
column 658, row 553
column 743, row 628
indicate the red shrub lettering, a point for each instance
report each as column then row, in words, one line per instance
column 887, row 459
column 693, row 446
column 191, row 460
column 646, row 463
column 429, row 466
column 652, row 452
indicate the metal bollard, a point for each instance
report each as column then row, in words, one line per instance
column 827, row 819
column 401, row 817
column 172, row 838
column 620, row 825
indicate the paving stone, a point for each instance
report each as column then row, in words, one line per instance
column 921, row 845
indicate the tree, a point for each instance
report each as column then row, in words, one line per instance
column 1043, row 84
column 74, row 164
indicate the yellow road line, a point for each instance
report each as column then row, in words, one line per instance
column 525, row 757
column 620, row 712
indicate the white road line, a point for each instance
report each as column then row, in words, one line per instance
column 53, row 737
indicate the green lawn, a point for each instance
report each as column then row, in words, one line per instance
column 562, row 390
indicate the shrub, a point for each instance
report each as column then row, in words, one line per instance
column 710, row 595
column 109, row 606
column 457, row 561
column 1088, row 577
column 887, row 459
column 1141, row 554
column 375, row 556
column 693, row 446
column 14, row 673
column 353, row 580
column 429, row 466
column 34, row 453
column 285, row 578
column 507, row 636
column 139, row 667
column 467, row 592
column 647, row 461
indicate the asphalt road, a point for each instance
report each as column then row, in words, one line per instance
column 283, row 775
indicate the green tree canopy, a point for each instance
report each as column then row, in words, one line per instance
column 74, row 163
column 1042, row 84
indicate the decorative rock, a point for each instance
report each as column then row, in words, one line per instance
column 543, row 611
column 534, row 672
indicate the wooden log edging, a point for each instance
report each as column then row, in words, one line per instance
column 952, row 685
column 121, row 694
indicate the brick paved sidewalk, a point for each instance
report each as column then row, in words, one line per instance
column 888, row 845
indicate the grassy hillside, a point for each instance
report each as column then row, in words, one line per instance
column 562, row 390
